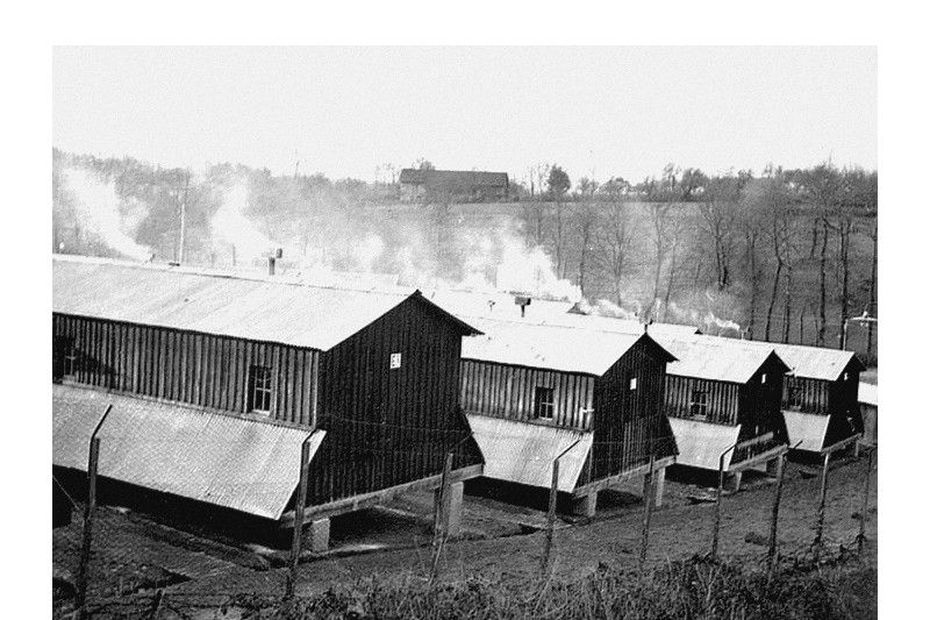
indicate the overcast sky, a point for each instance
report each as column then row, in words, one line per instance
column 597, row 112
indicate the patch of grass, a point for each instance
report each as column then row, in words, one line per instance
column 698, row 588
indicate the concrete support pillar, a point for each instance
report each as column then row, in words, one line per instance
column 660, row 486
column 316, row 535
column 450, row 512
column 772, row 467
column 586, row 505
column 736, row 480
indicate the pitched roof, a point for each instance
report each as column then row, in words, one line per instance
column 216, row 458
column 254, row 308
column 715, row 358
column 817, row 362
column 500, row 306
column 453, row 177
column 550, row 347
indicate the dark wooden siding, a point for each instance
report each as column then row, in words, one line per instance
column 760, row 409
column 504, row 391
column 630, row 425
column 387, row 427
column 806, row 395
column 722, row 398
column 188, row 367
column 844, row 397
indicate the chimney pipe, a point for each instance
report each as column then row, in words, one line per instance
column 523, row 302
column 271, row 261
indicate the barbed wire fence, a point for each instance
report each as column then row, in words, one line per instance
column 97, row 555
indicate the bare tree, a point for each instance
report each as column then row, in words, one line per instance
column 615, row 234
column 750, row 223
column 661, row 222
column 718, row 215
column 775, row 200
column 585, row 220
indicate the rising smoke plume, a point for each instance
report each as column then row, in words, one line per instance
column 97, row 205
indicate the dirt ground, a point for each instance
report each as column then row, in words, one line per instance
column 135, row 554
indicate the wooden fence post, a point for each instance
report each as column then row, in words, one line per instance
column 81, row 596
column 821, row 508
column 550, row 516
column 773, row 532
column 442, row 518
column 718, row 509
column 864, row 512
column 649, row 488
column 299, row 511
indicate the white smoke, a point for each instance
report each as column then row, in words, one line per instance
column 723, row 324
column 231, row 225
column 604, row 307
column 98, row 206
column 530, row 270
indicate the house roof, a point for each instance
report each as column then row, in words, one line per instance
column 453, row 177
column 816, row 362
column 249, row 307
column 523, row 453
column 550, row 347
column 246, row 465
column 715, row 358
column 501, row 306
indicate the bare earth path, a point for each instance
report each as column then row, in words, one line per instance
column 677, row 531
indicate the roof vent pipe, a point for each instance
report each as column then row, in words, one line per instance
column 271, row 261
column 523, row 302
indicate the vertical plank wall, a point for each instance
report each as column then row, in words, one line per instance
column 630, row 425
column 722, row 398
column 188, row 367
column 386, row 426
column 504, row 391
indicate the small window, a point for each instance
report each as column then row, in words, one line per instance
column 845, row 376
column 260, row 389
column 632, row 383
column 543, row 403
column 764, row 377
column 395, row 361
column 795, row 397
column 69, row 363
column 698, row 406
column 65, row 357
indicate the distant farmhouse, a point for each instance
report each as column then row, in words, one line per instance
column 453, row 185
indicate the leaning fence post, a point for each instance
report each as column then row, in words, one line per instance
column 88, row 526
column 821, row 508
column 647, row 512
column 93, row 457
column 773, row 532
column 299, row 509
column 442, row 518
column 864, row 512
column 718, row 515
column 550, row 516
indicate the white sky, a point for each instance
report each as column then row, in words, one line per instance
column 343, row 111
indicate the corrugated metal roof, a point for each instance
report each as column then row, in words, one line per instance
column 500, row 306
column 868, row 393
column 807, row 428
column 246, row 465
column 496, row 305
column 700, row 444
column 523, row 453
column 815, row 362
column 254, row 308
column 714, row 358
column 546, row 346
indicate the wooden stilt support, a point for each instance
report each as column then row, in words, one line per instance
column 299, row 507
column 821, row 508
column 649, row 484
column 773, row 532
